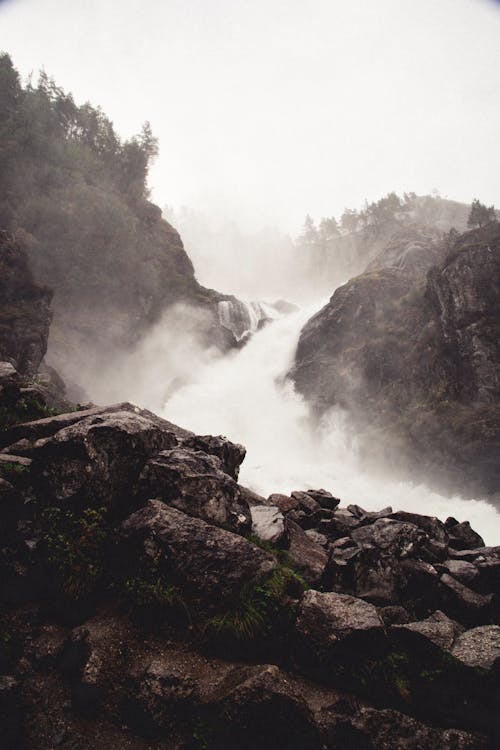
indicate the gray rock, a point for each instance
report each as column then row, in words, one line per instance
column 194, row 482
column 438, row 628
column 479, row 647
column 211, row 563
column 231, row 455
column 268, row 523
column 308, row 557
column 97, row 460
column 329, row 618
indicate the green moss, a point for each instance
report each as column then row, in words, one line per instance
column 74, row 546
column 260, row 611
column 24, row 410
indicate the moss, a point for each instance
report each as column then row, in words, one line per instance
column 74, row 547
column 261, row 611
column 24, row 410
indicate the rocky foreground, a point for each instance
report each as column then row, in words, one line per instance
column 150, row 601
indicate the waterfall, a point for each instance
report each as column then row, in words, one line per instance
column 244, row 318
column 246, row 397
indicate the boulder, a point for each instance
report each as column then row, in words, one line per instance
column 231, row 455
column 479, row 647
column 283, row 502
column 466, row 605
column 462, row 536
column 195, row 483
column 308, row 557
column 268, row 523
column 330, row 618
column 261, row 707
column 97, row 460
column 206, row 562
column 438, row 628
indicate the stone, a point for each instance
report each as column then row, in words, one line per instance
column 194, row 482
column 438, row 628
column 231, row 455
column 461, row 536
column 97, row 461
column 210, row 563
column 268, row 523
column 283, row 502
column 308, row 557
column 330, row 617
column 479, row 647
column 324, row 498
column 466, row 605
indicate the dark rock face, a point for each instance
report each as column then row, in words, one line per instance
column 25, row 313
column 418, row 360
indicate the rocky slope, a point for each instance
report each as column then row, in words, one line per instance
column 411, row 349
column 150, row 601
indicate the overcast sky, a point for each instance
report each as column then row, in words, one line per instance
column 268, row 109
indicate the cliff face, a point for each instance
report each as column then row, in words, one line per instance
column 25, row 313
column 418, row 358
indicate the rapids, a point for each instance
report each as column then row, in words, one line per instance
column 246, row 397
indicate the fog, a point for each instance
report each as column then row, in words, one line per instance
column 270, row 109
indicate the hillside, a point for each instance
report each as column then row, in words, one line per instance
column 76, row 198
column 411, row 350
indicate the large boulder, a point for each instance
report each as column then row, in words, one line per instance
column 208, row 563
column 97, row 461
column 194, row 482
column 479, row 647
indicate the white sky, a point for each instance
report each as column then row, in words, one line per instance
column 268, row 109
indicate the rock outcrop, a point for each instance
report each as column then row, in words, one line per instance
column 156, row 602
column 417, row 360
column 25, row 309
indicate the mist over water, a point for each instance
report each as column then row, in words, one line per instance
column 246, row 397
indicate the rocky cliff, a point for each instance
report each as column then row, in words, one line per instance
column 415, row 358
column 25, row 311
column 150, row 601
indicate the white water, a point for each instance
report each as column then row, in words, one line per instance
column 244, row 396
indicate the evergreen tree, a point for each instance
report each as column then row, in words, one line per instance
column 480, row 214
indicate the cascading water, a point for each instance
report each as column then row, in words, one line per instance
column 246, row 397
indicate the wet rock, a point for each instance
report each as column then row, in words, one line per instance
column 283, row 502
column 162, row 699
column 372, row 729
column 268, row 523
column 308, row 557
column 205, row 561
column 260, row 707
column 463, row 571
column 317, row 537
column 390, row 537
column 324, row 498
column 368, row 516
column 462, row 536
column 11, row 712
column 231, row 455
column 97, row 461
column 438, row 628
column 431, row 525
column 466, row 605
column 326, row 619
column 306, row 502
column 195, row 483
column 479, row 647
